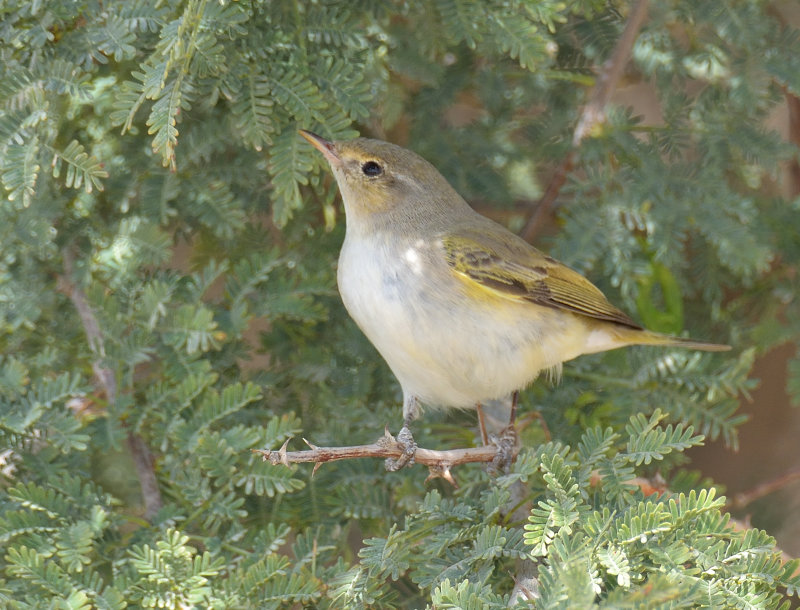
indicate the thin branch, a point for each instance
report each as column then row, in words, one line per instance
column 536, row 220
column 142, row 458
column 793, row 105
column 438, row 462
column 592, row 115
column 745, row 498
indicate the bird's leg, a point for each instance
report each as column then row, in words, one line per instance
column 482, row 424
column 404, row 438
column 507, row 441
column 512, row 419
column 406, row 441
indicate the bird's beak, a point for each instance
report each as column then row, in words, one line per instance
column 324, row 146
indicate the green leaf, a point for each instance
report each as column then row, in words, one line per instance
column 466, row 595
column 558, row 513
column 20, row 170
column 461, row 20
column 615, row 561
column 296, row 95
column 264, row 479
column 82, row 170
column 116, row 38
column 219, row 209
column 217, row 406
column 163, row 120
column 521, row 39
column 289, row 165
column 345, row 82
column 640, row 522
column 192, row 329
column 648, row 443
column 253, row 110
column 386, row 555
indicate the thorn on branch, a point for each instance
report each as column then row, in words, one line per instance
column 441, row 471
column 282, row 453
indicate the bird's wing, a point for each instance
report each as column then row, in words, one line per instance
column 513, row 269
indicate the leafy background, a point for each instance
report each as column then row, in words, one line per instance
column 168, row 300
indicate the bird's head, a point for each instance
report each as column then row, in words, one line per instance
column 376, row 176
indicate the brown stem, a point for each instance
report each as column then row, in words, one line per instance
column 744, row 498
column 142, row 458
column 593, row 114
column 482, row 424
column 438, row 462
column 793, row 104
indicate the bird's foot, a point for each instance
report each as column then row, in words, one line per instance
column 506, row 444
column 409, row 446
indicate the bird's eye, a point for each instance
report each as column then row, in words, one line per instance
column 370, row 168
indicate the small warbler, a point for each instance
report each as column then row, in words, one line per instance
column 461, row 309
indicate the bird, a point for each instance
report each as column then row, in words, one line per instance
column 462, row 310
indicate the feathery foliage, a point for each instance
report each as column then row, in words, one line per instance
column 168, row 302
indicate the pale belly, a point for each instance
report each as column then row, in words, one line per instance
column 446, row 347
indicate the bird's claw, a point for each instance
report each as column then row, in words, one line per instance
column 506, row 444
column 409, row 446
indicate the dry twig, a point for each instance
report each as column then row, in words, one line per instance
column 439, row 463
column 142, row 458
column 793, row 106
column 592, row 115
column 744, row 498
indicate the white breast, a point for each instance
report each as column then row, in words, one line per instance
column 443, row 347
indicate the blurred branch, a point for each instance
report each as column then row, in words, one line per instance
column 745, row 498
column 142, row 458
column 438, row 462
column 592, row 115
column 793, row 104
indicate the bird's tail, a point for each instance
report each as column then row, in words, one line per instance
column 648, row 337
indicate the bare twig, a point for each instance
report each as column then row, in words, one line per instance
column 593, row 114
column 142, row 459
column 438, row 462
column 793, row 105
column 744, row 498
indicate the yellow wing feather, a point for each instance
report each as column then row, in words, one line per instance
column 513, row 269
